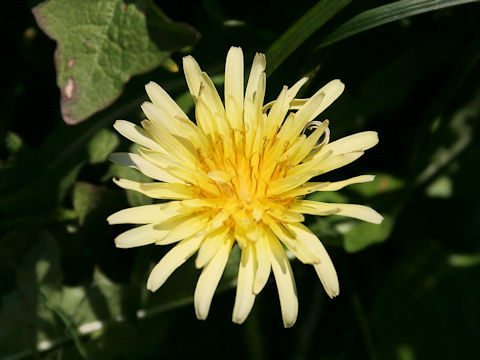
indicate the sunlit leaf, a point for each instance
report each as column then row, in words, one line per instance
column 101, row 44
column 383, row 183
column 13, row 142
column 101, row 145
column 87, row 197
column 359, row 235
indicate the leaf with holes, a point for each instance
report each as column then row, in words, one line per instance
column 101, row 44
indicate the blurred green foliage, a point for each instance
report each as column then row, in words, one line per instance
column 408, row 287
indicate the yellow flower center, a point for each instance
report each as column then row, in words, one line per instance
column 240, row 172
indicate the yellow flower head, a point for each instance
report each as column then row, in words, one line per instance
column 237, row 177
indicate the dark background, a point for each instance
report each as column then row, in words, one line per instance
column 408, row 291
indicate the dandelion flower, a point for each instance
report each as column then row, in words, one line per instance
column 237, row 177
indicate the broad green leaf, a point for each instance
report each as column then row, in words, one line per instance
column 441, row 188
column 101, row 44
column 101, row 145
column 13, row 142
column 464, row 260
column 86, row 197
column 310, row 22
column 357, row 235
column 25, row 319
column 382, row 184
column 30, row 314
column 387, row 13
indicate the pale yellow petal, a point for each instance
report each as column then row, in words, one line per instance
column 145, row 214
column 139, row 236
column 276, row 115
column 240, row 236
column 328, row 277
column 209, row 110
column 193, row 75
column 172, row 260
column 264, row 261
column 361, row 212
column 311, row 109
column 170, row 165
column 158, row 190
column 211, row 244
column 213, row 100
column 281, row 213
column 245, row 296
column 337, row 185
column 288, row 183
column 181, row 227
column 306, row 145
column 304, row 189
column 285, row 283
column 187, row 175
column 354, row 143
column 292, row 92
column 135, row 161
column 258, row 67
column 311, row 242
column 159, row 116
column 234, row 87
column 173, row 146
column 301, row 251
column 252, row 231
column 280, row 107
column 136, row 134
column 161, row 98
column 205, row 118
column 322, row 99
column 175, row 114
column 316, row 165
column 332, row 162
column 209, row 278
column 253, row 91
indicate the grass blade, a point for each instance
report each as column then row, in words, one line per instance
column 385, row 14
column 310, row 22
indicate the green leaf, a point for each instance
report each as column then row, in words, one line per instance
column 101, row 44
column 13, row 142
column 385, row 14
column 464, row 260
column 86, row 197
column 310, row 22
column 101, row 145
column 383, row 183
column 358, row 235
column 25, row 319
column 30, row 314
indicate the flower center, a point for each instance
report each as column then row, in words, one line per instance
column 239, row 173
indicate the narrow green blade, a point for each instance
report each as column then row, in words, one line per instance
column 387, row 13
column 310, row 22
